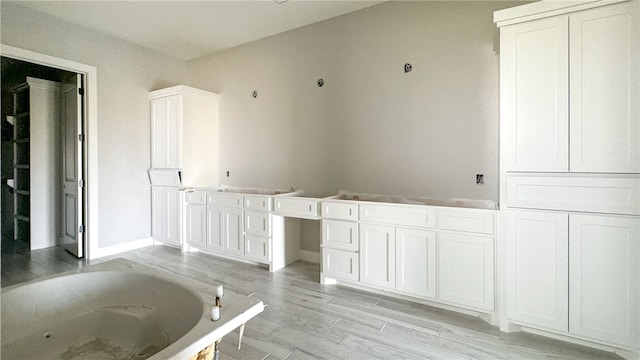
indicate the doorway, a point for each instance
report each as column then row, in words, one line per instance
column 37, row 138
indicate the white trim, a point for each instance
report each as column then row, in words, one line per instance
column 120, row 248
column 91, row 131
column 543, row 9
column 310, row 256
column 181, row 90
column 574, row 339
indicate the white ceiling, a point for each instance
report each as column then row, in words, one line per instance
column 191, row 29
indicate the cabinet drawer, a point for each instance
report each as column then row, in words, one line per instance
column 465, row 220
column 339, row 210
column 224, row 200
column 257, row 223
column 339, row 264
column 197, row 197
column 340, row 235
column 261, row 203
column 257, row 248
column 615, row 195
column 297, row 207
column 398, row 215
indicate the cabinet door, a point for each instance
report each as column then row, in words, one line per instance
column 416, row 262
column 465, row 270
column 605, row 101
column 378, row 255
column 604, row 278
column 340, row 264
column 166, row 132
column 233, row 235
column 173, row 216
column 196, row 225
column 534, row 95
column 257, row 223
column 215, row 228
column 537, row 268
column 257, row 248
column 158, row 213
column 338, row 234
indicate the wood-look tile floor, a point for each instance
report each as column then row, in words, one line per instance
column 307, row 320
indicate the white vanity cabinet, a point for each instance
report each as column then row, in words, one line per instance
column 570, row 90
column 340, row 240
column 165, row 215
column 213, row 223
column 224, row 223
column 441, row 254
column 258, row 227
column 240, row 224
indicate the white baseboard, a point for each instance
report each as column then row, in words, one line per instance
column 120, row 248
column 310, row 256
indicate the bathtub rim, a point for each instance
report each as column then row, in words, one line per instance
column 237, row 309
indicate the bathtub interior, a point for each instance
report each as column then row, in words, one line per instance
column 105, row 314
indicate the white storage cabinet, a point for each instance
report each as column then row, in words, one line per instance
column 570, row 134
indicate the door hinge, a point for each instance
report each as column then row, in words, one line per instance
column 81, row 229
column 81, row 183
column 81, row 91
column 80, row 137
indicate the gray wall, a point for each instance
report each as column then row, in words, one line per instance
column 126, row 73
column 371, row 128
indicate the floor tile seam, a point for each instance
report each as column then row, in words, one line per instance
column 388, row 344
column 395, row 321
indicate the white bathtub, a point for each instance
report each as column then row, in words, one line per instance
column 116, row 310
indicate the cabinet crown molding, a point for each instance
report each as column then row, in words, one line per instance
column 544, row 9
column 181, row 90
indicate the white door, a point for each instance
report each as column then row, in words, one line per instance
column 534, row 95
column 416, row 262
column 605, row 97
column 173, row 216
column 215, row 228
column 196, row 225
column 158, row 213
column 72, row 166
column 604, row 277
column 166, row 132
column 378, row 255
column 465, row 270
column 538, row 268
column 233, row 234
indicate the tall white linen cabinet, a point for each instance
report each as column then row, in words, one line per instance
column 184, row 152
column 570, row 164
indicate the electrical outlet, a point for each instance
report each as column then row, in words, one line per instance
column 479, row 178
column 227, row 173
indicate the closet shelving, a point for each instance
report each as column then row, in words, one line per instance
column 21, row 163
